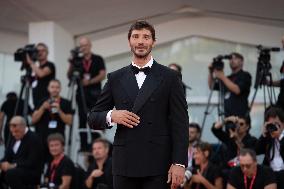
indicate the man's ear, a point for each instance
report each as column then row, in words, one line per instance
column 206, row 153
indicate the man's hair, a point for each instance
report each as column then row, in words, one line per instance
column 43, row 45
column 12, row 95
column 274, row 112
column 195, row 125
column 55, row 80
column 142, row 24
column 247, row 120
column 204, row 146
column 57, row 137
column 103, row 141
column 179, row 69
column 247, row 151
column 237, row 55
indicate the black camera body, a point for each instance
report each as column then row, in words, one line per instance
column 76, row 62
column 230, row 125
column 218, row 63
column 271, row 127
column 30, row 49
column 53, row 110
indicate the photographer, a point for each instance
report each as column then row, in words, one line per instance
column 271, row 143
column 205, row 174
column 42, row 73
column 92, row 68
column 235, row 136
column 237, row 86
column 52, row 114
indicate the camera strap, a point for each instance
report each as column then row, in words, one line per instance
column 54, row 165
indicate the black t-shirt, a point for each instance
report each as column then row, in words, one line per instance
column 65, row 168
column 92, row 91
column 106, row 178
column 40, row 90
column 211, row 174
column 44, row 127
column 264, row 177
column 238, row 104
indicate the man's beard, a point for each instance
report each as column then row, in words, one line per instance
column 141, row 56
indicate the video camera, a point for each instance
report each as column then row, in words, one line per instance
column 218, row 63
column 76, row 62
column 30, row 49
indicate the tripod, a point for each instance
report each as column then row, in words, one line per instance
column 220, row 104
column 25, row 89
column 264, row 78
column 76, row 81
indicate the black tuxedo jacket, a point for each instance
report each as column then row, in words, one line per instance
column 29, row 154
column 161, row 138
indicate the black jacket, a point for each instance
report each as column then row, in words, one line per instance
column 161, row 138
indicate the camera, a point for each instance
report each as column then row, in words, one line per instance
column 30, row 49
column 230, row 125
column 53, row 109
column 77, row 57
column 187, row 177
column 271, row 127
column 218, row 63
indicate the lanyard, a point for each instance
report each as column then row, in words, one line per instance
column 54, row 165
column 87, row 65
column 251, row 183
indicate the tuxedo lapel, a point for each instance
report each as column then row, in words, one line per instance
column 151, row 82
column 129, row 83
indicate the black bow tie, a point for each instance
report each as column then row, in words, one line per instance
column 136, row 70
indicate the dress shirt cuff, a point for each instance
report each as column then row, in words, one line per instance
column 108, row 119
column 181, row 165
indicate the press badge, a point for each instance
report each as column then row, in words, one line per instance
column 34, row 84
column 87, row 76
column 227, row 95
column 52, row 124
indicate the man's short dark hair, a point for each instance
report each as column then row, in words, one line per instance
column 247, row 120
column 274, row 112
column 12, row 95
column 142, row 24
column 237, row 55
column 247, row 151
column 179, row 69
column 195, row 125
column 205, row 146
column 103, row 141
column 57, row 137
column 55, row 80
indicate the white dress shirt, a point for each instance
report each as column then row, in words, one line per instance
column 277, row 163
column 140, row 78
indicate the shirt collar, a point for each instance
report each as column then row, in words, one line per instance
column 149, row 64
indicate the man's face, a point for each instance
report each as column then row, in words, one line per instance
column 278, row 123
column 242, row 127
column 54, row 89
column 141, row 43
column 85, row 46
column 42, row 53
column 17, row 129
column 235, row 62
column 99, row 151
column 55, row 147
column 193, row 134
column 248, row 165
column 199, row 157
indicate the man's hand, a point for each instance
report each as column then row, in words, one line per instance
column 176, row 176
column 85, row 82
column 97, row 173
column 219, row 74
column 29, row 60
column 125, row 118
column 5, row 166
column 46, row 105
column 197, row 178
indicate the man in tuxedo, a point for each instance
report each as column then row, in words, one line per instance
column 22, row 163
column 151, row 140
